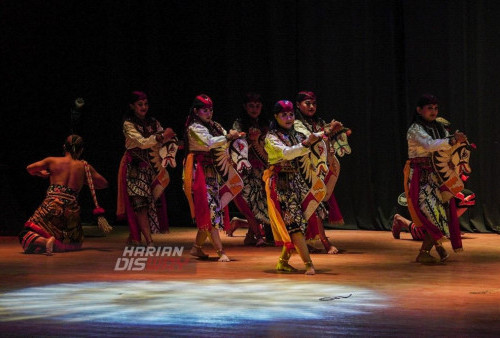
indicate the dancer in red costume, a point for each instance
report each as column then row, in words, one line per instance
column 430, row 203
column 290, row 199
column 141, row 178
column 252, row 200
column 210, row 181
column 307, row 122
column 459, row 163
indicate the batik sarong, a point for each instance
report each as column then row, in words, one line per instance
column 58, row 216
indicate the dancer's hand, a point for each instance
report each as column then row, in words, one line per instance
column 312, row 138
column 460, row 137
column 232, row 135
column 333, row 127
column 43, row 173
column 168, row 134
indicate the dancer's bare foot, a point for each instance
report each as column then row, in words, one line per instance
column 198, row 252
column 222, row 256
column 250, row 240
column 230, row 230
column 443, row 254
column 236, row 223
column 399, row 223
column 49, row 246
column 424, row 257
column 332, row 251
column 131, row 242
column 260, row 242
column 309, row 269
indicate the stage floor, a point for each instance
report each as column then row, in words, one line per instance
column 372, row 288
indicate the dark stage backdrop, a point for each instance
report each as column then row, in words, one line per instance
column 368, row 61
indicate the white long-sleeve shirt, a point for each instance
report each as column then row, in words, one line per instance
column 421, row 144
column 200, row 138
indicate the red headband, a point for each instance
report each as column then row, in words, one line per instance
column 304, row 95
column 207, row 102
column 283, row 106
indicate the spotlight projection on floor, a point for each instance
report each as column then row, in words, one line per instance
column 190, row 303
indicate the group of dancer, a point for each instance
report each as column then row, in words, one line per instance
column 280, row 175
column 283, row 186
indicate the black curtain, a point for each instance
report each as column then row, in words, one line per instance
column 368, row 62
